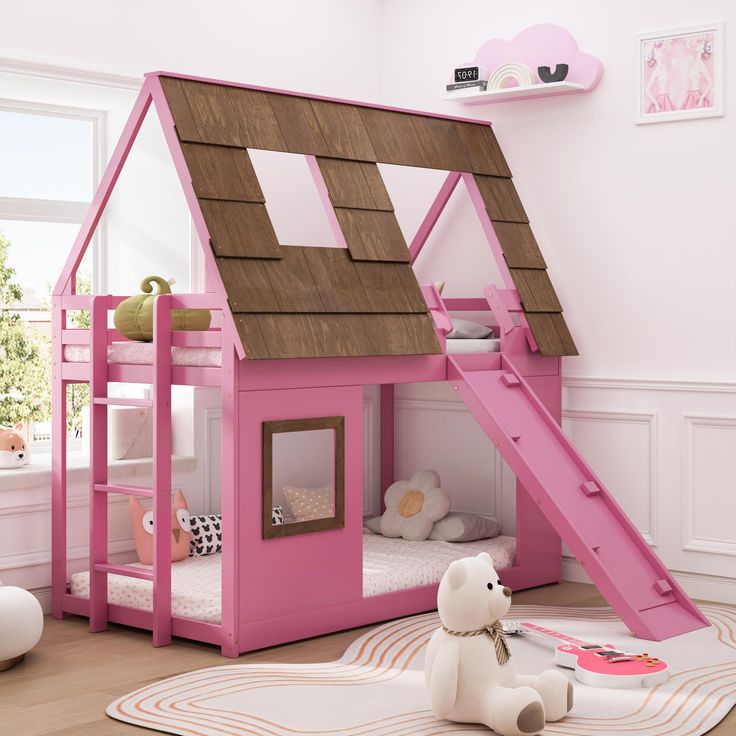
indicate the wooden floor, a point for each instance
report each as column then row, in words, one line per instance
column 64, row 685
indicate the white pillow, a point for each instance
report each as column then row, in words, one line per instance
column 466, row 329
column 458, row 526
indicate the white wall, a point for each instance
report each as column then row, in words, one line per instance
column 637, row 226
column 325, row 46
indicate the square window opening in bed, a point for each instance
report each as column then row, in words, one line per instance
column 303, row 475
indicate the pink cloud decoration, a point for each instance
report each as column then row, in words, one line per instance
column 543, row 44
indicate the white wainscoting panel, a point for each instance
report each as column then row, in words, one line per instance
column 666, row 450
column 709, row 520
column 622, row 450
column 212, row 460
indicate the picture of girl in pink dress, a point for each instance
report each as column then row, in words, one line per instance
column 680, row 74
column 699, row 74
column 656, row 89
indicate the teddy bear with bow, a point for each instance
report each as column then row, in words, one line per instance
column 470, row 673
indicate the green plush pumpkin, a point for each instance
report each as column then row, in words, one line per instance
column 133, row 317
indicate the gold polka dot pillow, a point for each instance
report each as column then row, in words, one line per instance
column 306, row 504
column 413, row 506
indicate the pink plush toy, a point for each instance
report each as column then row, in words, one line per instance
column 142, row 521
column 13, row 450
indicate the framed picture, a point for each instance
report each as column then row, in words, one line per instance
column 679, row 74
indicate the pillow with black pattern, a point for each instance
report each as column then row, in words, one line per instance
column 206, row 534
column 277, row 515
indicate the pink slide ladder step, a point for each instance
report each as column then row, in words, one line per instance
column 612, row 551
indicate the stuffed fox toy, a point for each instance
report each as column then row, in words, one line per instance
column 13, row 450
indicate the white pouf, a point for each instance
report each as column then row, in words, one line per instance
column 21, row 624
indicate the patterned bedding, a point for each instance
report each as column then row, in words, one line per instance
column 388, row 565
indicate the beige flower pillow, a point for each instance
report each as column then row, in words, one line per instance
column 306, row 504
column 413, row 506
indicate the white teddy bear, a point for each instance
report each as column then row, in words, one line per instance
column 470, row 674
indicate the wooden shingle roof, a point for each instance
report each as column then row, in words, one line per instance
column 294, row 302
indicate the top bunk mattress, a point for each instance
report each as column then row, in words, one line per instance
column 485, row 345
column 141, row 353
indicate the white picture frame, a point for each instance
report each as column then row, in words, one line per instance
column 691, row 82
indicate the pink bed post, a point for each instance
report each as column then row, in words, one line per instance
column 58, row 463
column 387, row 438
column 65, row 283
column 229, row 498
column 162, row 471
column 98, row 464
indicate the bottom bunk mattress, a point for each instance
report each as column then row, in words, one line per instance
column 389, row 565
column 196, row 589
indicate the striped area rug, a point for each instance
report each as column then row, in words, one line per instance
column 377, row 687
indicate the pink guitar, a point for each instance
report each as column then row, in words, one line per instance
column 599, row 666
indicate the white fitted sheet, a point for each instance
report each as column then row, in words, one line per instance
column 389, row 565
column 141, row 353
column 196, row 588
column 486, row 345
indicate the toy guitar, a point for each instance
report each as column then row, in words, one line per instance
column 596, row 665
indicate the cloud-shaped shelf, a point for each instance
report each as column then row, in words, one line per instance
column 542, row 45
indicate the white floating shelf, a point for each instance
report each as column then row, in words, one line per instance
column 509, row 94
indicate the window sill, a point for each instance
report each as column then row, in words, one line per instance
column 38, row 472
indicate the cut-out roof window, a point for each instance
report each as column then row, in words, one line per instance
column 293, row 202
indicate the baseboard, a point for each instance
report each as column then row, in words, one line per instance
column 697, row 585
column 43, row 595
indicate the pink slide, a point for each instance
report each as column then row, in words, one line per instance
column 595, row 528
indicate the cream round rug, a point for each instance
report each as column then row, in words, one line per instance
column 377, row 687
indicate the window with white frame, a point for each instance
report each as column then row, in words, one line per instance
column 49, row 160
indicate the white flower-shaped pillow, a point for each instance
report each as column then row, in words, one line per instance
column 413, row 506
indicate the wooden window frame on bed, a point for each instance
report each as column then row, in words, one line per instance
column 337, row 521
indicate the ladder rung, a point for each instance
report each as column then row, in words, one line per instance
column 127, row 570
column 122, row 402
column 125, row 490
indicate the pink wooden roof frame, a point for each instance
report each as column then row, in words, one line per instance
column 152, row 93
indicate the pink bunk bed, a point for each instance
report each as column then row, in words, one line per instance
column 301, row 331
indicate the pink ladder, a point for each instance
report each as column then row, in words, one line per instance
column 160, row 575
